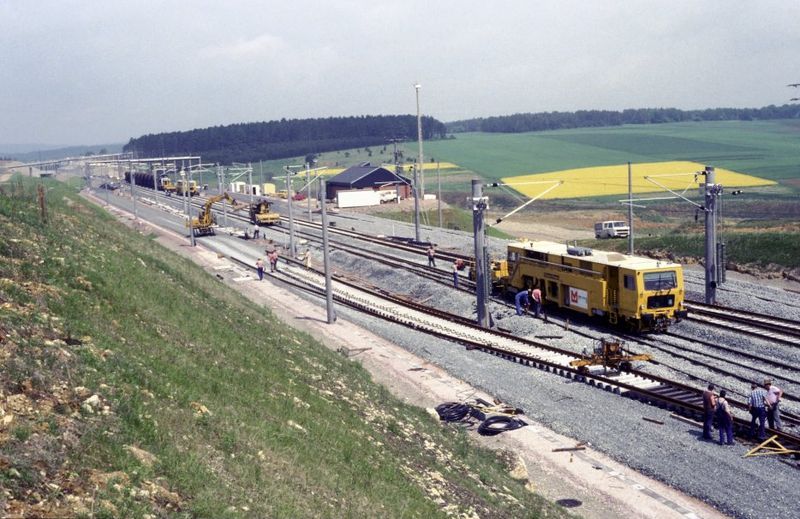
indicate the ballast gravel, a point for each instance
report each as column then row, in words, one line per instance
column 756, row 487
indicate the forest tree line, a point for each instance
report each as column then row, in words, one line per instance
column 531, row 122
column 250, row 142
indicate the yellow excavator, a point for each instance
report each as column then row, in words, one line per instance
column 260, row 214
column 203, row 225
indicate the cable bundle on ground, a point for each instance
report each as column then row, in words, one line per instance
column 452, row 411
column 498, row 424
column 457, row 412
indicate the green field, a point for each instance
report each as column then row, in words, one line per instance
column 768, row 149
column 765, row 149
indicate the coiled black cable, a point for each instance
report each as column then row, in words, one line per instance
column 496, row 424
column 453, row 411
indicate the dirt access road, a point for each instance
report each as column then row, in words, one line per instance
column 601, row 487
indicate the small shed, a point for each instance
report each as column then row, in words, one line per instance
column 365, row 176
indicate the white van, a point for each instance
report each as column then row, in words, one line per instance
column 611, row 229
column 387, row 195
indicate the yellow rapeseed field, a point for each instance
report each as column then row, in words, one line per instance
column 613, row 180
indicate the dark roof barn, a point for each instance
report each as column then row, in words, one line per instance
column 364, row 176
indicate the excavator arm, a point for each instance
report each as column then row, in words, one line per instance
column 204, row 222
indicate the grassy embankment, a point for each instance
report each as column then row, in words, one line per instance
column 244, row 417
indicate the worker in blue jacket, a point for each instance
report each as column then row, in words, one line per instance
column 522, row 301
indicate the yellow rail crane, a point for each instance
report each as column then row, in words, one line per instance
column 260, row 214
column 608, row 353
column 203, row 224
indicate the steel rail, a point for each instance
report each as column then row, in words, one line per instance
column 757, row 325
column 692, row 392
column 675, row 396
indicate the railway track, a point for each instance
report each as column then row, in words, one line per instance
column 390, row 258
column 681, row 398
column 677, row 397
column 763, row 326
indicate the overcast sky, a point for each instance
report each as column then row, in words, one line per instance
column 91, row 72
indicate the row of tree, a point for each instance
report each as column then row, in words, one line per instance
column 530, row 122
column 250, row 142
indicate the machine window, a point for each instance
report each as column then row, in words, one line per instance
column 660, row 280
column 629, row 282
column 667, row 301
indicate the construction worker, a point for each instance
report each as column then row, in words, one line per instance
column 757, row 404
column 431, row 255
column 273, row 260
column 456, row 265
column 260, row 269
column 536, row 298
column 522, row 301
column 255, row 232
column 774, row 394
column 709, row 406
column 724, row 420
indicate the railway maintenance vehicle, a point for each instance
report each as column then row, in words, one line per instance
column 260, row 214
column 183, row 186
column 145, row 179
column 203, row 224
column 638, row 293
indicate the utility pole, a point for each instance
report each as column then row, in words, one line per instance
column 713, row 250
column 292, row 252
column 326, row 258
column 250, row 181
column 224, row 202
column 630, row 211
column 108, row 185
column 479, row 205
column 420, row 160
column 439, row 193
column 395, row 155
column 133, row 195
column 308, row 189
column 155, row 180
column 189, row 206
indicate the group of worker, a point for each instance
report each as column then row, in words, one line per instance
column 272, row 257
column 458, row 264
column 527, row 298
column 763, row 403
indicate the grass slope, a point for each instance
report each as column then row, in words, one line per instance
column 108, row 340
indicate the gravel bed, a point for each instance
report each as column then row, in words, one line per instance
column 671, row 452
column 761, row 487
